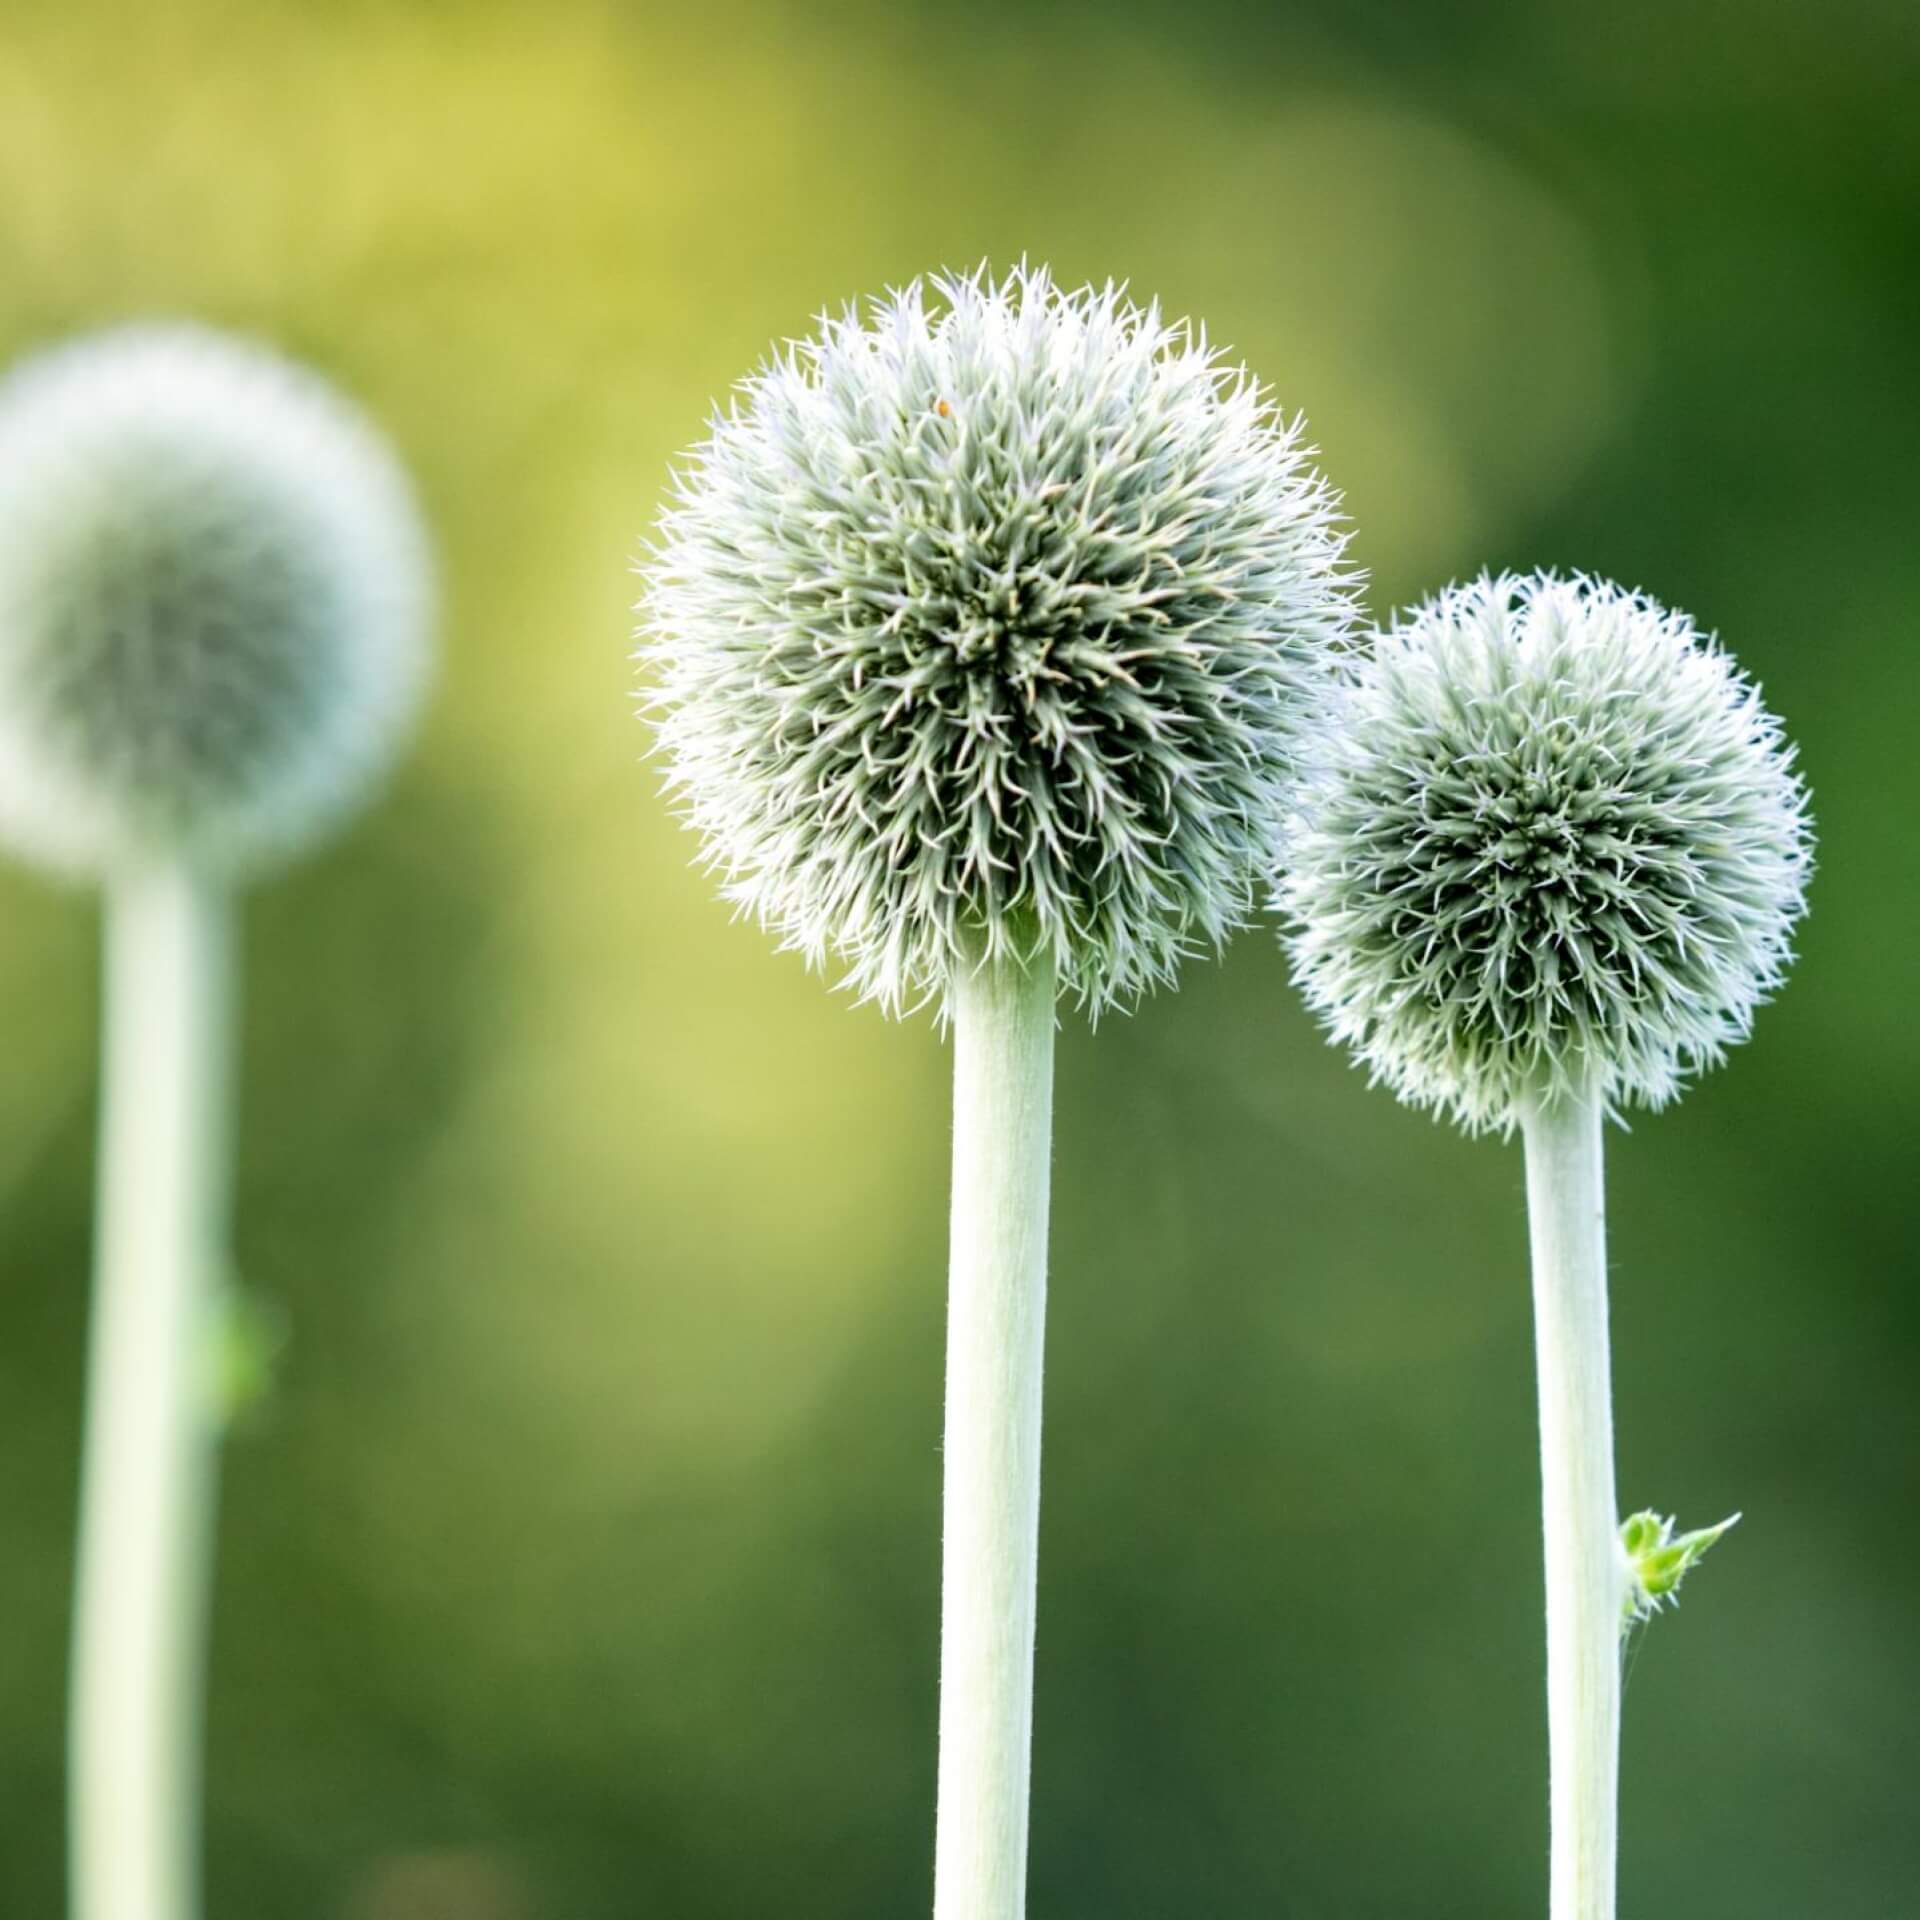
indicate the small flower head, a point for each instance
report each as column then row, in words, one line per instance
column 1549, row 836
column 214, row 599
column 983, row 623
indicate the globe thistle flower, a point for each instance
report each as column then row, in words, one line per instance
column 1546, row 860
column 982, row 627
column 1550, row 835
column 986, row 620
column 213, row 634
column 213, row 603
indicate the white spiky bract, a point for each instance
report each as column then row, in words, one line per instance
column 1549, row 836
column 984, row 623
column 214, row 601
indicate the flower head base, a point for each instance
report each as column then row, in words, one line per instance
column 213, row 603
column 1549, row 837
column 983, row 626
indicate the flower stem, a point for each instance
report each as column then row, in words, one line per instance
column 996, row 1327
column 148, row 1476
column 1586, row 1568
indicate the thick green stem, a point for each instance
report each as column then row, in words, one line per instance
column 1586, row 1568
column 996, row 1324
column 148, row 1475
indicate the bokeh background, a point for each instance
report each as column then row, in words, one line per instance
column 584, row 1565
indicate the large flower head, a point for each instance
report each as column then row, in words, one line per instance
column 214, row 598
column 1549, row 836
column 983, row 623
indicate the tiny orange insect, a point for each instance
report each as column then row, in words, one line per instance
column 943, row 410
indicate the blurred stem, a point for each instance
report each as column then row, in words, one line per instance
column 148, row 1475
column 1586, row 1567
column 996, row 1325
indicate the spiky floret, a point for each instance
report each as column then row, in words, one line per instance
column 1548, row 834
column 214, row 597
column 983, row 623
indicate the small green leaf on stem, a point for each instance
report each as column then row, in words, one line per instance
column 247, row 1340
column 1658, row 1560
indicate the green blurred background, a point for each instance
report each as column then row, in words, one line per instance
column 585, row 1564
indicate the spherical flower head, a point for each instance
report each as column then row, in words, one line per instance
column 982, row 625
column 1548, row 837
column 214, row 600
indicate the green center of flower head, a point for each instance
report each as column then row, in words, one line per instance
column 1006, row 631
column 994, row 615
column 184, row 651
column 1564, row 887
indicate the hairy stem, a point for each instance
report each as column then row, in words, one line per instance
column 148, row 1474
column 996, row 1325
column 1586, row 1569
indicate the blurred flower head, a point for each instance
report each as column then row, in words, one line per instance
column 214, row 603
column 982, row 624
column 1548, row 836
